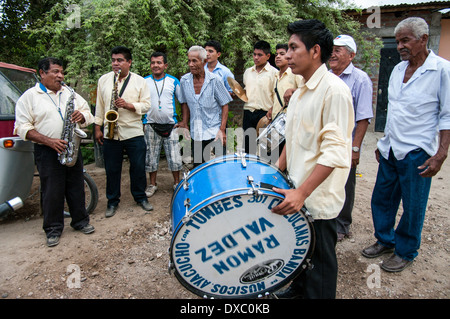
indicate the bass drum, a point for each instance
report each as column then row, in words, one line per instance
column 226, row 242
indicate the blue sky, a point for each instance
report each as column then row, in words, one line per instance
column 368, row 3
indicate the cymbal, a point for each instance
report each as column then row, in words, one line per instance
column 237, row 89
column 262, row 124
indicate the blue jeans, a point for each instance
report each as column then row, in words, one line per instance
column 399, row 180
column 113, row 155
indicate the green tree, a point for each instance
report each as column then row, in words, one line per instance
column 172, row 26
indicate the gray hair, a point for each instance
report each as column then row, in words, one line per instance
column 350, row 50
column 201, row 51
column 417, row 26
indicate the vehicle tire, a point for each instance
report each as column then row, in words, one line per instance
column 91, row 195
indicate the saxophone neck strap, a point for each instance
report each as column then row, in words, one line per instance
column 124, row 84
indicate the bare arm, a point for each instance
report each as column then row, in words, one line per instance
column 54, row 143
column 360, row 132
column 434, row 163
column 295, row 198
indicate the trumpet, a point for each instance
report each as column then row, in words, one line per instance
column 112, row 116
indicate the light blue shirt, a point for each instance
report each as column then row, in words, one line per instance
column 162, row 94
column 224, row 72
column 418, row 109
column 206, row 108
column 361, row 88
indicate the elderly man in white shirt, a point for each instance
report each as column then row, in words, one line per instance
column 40, row 117
column 204, row 102
column 414, row 147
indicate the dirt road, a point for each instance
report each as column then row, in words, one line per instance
column 126, row 257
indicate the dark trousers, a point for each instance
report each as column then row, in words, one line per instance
column 344, row 220
column 251, row 119
column 320, row 282
column 201, row 150
column 113, row 151
column 399, row 181
column 59, row 182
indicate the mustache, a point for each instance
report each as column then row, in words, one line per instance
column 404, row 50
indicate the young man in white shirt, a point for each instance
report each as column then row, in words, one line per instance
column 317, row 153
column 258, row 84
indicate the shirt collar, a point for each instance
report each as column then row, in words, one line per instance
column 316, row 77
column 429, row 64
column 218, row 66
column 42, row 89
column 285, row 73
column 349, row 69
column 265, row 68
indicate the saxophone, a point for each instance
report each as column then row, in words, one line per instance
column 71, row 134
column 112, row 115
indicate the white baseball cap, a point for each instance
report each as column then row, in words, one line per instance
column 342, row 40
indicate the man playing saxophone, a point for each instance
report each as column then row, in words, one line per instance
column 40, row 117
column 126, row 93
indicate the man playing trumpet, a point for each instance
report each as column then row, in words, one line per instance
column 129, row 95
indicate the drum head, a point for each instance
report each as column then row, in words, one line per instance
column 235, row 247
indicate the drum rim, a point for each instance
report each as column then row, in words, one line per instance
column 289, row 278
column 226, row 158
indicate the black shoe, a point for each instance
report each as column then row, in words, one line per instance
column 395, row 264
column 146, row 205
column 376, row 250
column 52, row 241
column 88, row 229
column 111, row 211
column 288, row 293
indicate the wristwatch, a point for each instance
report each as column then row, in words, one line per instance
column 355, row 149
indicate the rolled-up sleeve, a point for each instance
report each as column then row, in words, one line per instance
column 24, row 118
column 444, row 98
column 144, row 103
column 338, row 119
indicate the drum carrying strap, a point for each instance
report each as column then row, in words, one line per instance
column 278, row 96
column 279, row 99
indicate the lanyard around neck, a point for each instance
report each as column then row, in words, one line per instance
column 43, row 88
column 157, row 91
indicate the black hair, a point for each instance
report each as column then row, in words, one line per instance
column 122, row 50
column 312, row 32
column 215, row 44
column 157, row 54
column 44, row 64
column 282, row 46
column 262, row 45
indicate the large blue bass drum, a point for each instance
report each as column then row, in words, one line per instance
column 226, row 242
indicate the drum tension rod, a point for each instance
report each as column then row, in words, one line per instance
column 241, row 155
column 187, row 215
column 185, row 180
column 256, row 192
